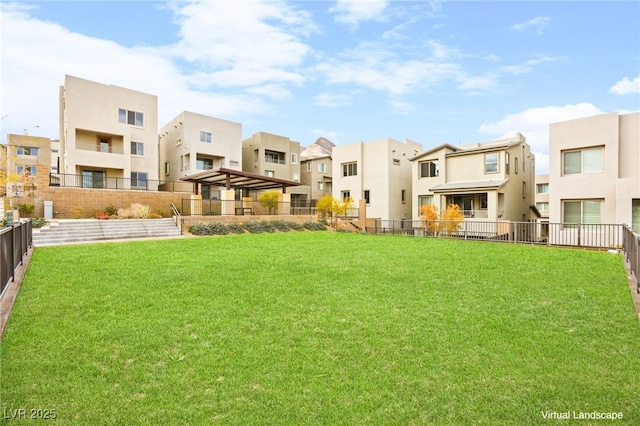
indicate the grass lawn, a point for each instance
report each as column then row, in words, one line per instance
column 321, row 328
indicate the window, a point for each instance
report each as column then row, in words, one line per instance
column 104, row 144
column 507, row 161
column 322, row 167
column 308, row 166
column 542, row 188
column 635, row 215
column 137, row 148
column 178, row 142
column 583, row 161
column 26, row 170
column 204, row 163
column 396, row 161
column 320, row 185
column 345, row 195
column 138, row 180
column 491, row 163
column 516, row 165
column 166, row 168
column 424, row 200
column 429, row 168
column 484, row 201
column 181, row 162
column 93, row 179
column 296, row 177
column 130, row 117
column 524, row 189
column 542, row 206
column 294, row 158
column 269, row 173
column 582, row 211
column 367, row 196
column 187, row 161
column 274, row 157
column 205, row 137
column 403, row 196
column 350, row 169
column 25, row 150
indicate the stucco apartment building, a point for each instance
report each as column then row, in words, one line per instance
column 378, row 172
column 594, row 173
column 316, row 162
column 192, row 143
column 108, row 134
column 275, row 156
column 490, row 181
column 542, row 196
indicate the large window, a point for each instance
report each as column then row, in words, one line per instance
column 582, row 161
column 491, row 163
column 137, row 148
column 26, row 170
column 349, row 169
column 429, row 168
column 130, row 117
column 635, row 215
column 205, row 137
column 582, row 211
column 423, row 200
column 204, row 163
column 93, row 179
column 138, row 180
column 274, row 157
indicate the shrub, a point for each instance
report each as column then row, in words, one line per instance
column 295, row 226
column 111, row 210
column 314, row 226
column 281, row 225
column 236, row 228
column 198, row 229
column 135, row 211
column 26, row 208
column 254, row 227
column 217, row 229
column 77, row 212
column 38, row 222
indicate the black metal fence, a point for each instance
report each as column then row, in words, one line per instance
column 104, row 182
column 14, row 244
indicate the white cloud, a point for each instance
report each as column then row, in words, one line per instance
column 533, row 123
column 331, row 99
column 353, row 12
column 626, row 86
column 536, row 25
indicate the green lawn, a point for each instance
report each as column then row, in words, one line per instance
column 321, row 328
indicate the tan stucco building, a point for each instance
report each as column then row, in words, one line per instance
column 378, row 172
column 108, row 134
column 542, row 196
column 490, row 181
column 191, row 143
column 594, row 173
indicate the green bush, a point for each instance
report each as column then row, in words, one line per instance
column 26, row 208
column 314, row 226
column 281, row 225
column 254, row 227
column 236, row 228
column 111, row 210
column 38, row 222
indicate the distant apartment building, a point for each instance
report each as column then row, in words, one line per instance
column 274, row 156
column 108, row 135
column 192, row 143
column 542, row 196
column 316, row 167
column 378, row 172
column 594, row 173
column 489, row 181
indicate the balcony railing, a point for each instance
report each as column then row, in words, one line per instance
column 98, row 182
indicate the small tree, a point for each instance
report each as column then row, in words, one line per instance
column 343, row 208
column 269, row 199
column 444, row 224
column 325, row 205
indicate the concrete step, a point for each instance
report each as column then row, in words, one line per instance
column 87, row 230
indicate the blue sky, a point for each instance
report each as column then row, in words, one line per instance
column 434, row 72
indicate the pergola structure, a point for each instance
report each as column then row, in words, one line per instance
column 236, row 179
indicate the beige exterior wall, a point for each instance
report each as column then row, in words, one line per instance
column 383, row 169
column 617, row 183
column 256, row 149
column 542, row 197
column 312, row 176
column 181, row 145
column 504, row 194
column 89, row 112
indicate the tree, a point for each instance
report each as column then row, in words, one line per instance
column 329, row 206
column 269, row 199
column 445, row 224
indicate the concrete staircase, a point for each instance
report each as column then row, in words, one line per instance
column 88, row 230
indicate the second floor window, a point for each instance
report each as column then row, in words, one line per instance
column 137, row 148
column 542, row 188
column 205, row 137
column 133, row 118
column 274, row 157
column 350, row 169
column 429, row 169
column 582, row 161
column 491, row 163
column 104, row 144
column 322, row 167
column 294, row 158
column 25, row 150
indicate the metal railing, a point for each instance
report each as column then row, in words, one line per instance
column 556, row 234
column 15, row 241
column 93, row 182
column 631, row 248
column 244, row 208
column 177, row 217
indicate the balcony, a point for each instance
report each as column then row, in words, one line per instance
column 97, row 181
